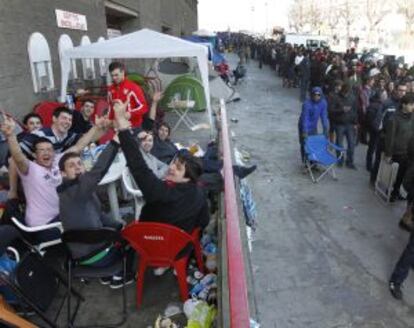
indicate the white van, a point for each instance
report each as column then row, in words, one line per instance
column 309, row 41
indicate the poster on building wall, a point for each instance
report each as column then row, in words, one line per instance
column 73, row 21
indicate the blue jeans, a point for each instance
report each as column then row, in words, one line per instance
column 304, row 86
column 402, row 268
column 302, row 141
column 347, row 131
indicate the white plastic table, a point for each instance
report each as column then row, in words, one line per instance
column 110, row 179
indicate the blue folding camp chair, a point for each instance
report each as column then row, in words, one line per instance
column 320, row 152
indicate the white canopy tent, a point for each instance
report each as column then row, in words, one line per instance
column 141, row 44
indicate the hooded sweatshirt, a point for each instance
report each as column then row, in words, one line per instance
column 183, row 205
column 79, row 205
column 312, row 111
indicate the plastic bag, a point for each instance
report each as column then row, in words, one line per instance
column 202, row 316
column 7, row 267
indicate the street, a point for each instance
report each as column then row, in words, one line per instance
column 322, row 253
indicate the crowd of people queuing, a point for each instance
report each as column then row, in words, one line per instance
column 364, row 98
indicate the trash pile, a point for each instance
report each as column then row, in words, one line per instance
column 201, row 308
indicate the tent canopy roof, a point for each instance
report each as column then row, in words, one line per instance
column 144, row 43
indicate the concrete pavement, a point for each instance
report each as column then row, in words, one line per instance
column 322, row 254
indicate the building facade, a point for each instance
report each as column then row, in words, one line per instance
column 34, row 32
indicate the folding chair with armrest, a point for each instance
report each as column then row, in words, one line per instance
column 35, row 283
column 104, row 237
column 30, row 230
column 319, row 151
column 132, row 189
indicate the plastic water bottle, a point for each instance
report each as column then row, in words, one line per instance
column 87, row 159
column 69, row 102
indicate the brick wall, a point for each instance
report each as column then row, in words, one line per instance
column 21, row 18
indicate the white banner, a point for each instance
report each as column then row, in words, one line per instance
column 73, row 21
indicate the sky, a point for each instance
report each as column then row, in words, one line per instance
column 252, row 15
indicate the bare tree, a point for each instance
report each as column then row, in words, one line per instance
column 348, row 14
column 331, row 17
column 406, row 8
column 314, row 16
column 375, row 12
column 298, row 17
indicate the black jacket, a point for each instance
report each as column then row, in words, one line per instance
column 79, row 206
column 398, row 132
column 408, row 182
column 183, row 204
column 373, row 117
column 337, row 113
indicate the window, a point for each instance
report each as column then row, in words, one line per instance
column 102, row 62
column 312, row 43
column 65, row 42
column 40, row 63
column 88, row 65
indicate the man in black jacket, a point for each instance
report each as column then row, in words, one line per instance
column 80, row 208
column 398, row 132
column 388, row 110
column 372, row 125
column 343, row 114
column 177, row 200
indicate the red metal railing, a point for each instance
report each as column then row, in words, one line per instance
column 239, row 305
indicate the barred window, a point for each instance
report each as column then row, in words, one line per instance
column 65, row 42
column 40, row 63
column 88, row 65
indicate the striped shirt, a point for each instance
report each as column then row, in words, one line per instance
column 59, row 144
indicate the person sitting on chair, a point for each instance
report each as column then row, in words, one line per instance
column 146, row 144
column 82, row 119
column 41, row 176
column 31, row 122
column 80, row 208
column 59, row 133
column 164, row 149
column 177, row 200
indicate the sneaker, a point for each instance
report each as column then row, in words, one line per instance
column 396, row 197
column 405, row 226
column 395, row 290
column 241, row 171
column 160, row 271
column 401, row 197
column 105, row 280
column 118, row 282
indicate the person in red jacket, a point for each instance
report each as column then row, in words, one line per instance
column 126, row 91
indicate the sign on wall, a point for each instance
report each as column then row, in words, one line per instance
column 113, row 33
column 73, row 21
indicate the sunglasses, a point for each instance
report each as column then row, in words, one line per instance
column 316, row 94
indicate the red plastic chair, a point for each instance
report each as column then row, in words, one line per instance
column 45, row 110
column 159, row 245
column 197, row 249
